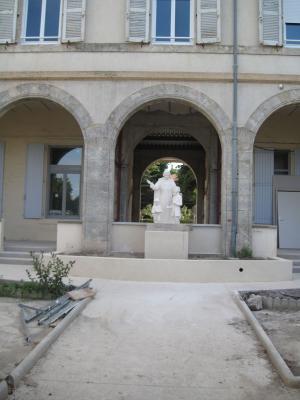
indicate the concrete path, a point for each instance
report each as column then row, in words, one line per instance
column 158, row 341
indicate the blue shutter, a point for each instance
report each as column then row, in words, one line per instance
column 263, row 186
column 34, row 181
column 297, row 162
column 1, row 177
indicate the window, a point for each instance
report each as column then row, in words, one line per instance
column 172, row 21
column 41, row 21
column 64, row 182
column 291, row 15
column 281, row 162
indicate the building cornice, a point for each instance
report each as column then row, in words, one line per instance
column 146, row 75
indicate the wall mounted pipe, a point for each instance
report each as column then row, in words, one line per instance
column 234, row 168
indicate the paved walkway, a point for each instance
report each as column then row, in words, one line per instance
column 158, row 341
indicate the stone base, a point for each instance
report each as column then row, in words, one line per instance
column 167, row 241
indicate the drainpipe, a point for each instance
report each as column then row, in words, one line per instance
column 234, row 134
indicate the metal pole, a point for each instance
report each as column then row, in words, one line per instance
column 234, row 134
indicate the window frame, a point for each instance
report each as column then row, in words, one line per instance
column 295, row 46
column 172, row 40
column 63, row 170
column 283, row 171
column 41, row 39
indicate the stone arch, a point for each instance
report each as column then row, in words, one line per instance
column 268, row 107
column 196, row 99
column 50, row 92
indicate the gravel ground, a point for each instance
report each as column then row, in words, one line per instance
column 283, row 328
column 13, row 347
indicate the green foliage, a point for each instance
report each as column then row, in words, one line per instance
column 24, row 290
column 188, row 185
column 146, row 215
column 245, row 252
column 186, row 215
column 49, row 276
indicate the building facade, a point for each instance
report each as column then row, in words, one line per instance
column 92, row 92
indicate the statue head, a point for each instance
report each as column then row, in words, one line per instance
column 167, row 174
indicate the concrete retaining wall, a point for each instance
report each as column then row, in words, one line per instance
column 140, row 269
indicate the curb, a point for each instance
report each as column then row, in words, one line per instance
column 13, row 379
column 278, row 362
column 3, row 390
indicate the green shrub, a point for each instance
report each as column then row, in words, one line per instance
column 245, row 252
column 23, row 290
column 49, row 276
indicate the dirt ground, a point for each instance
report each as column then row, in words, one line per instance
column 283, row 328
column 13, row 347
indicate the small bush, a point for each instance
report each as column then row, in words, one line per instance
column 245, row 252
column 49, row 276
column 23, row 290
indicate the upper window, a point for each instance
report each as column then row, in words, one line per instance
column 42, row 21
column 172, row 21
column 291, row 15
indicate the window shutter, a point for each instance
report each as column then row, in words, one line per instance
column 34, row 181
column 73, row 21
column 208, row 21
column 8, row 20
column 263, row 186
column 137, row 20
column 1, row 176
column 270, row 22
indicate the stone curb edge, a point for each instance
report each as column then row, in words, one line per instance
column 13, row 379
column 279, row 364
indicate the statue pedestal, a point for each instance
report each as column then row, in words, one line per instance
column 167, row 241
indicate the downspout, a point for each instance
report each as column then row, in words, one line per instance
column 234, row 170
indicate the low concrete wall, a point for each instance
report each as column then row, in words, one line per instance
column 205, row 239
column 69, row 237
column 264, row 241
column 130, row 238
column 139, row 269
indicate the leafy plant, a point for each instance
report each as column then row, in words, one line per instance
column 146, row 214
column 49, row 276
column 245, row 252
column 186, row 215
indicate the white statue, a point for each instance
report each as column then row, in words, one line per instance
column 164, row 190
column 177, row 203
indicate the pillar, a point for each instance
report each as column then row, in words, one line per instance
column 97, row 192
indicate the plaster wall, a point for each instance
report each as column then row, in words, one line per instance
column 101, row 97
column 105, row 21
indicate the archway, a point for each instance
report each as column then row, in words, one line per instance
column 277, row 172
column 42, row 148
column 185, row 179
column 167, row 128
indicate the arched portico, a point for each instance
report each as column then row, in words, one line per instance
column 90, row 133
column 249, row 173
column 173, row 92
column 50, row 92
